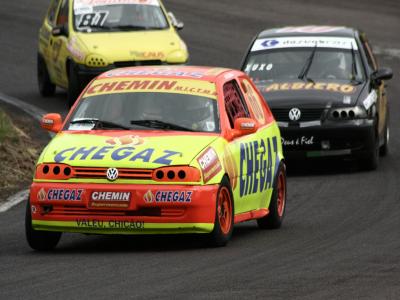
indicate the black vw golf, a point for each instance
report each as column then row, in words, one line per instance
column 325, row 89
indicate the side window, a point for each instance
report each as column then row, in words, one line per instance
column 62, row 17
column 254, row 101
column 234, row 104
column 51, row 14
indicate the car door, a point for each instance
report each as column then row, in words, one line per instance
column 58, row 46
column 45, row 37
column 266, row 144
column 381, row 104
column 240, row 151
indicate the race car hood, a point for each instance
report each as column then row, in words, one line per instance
column 124, row 150
column 318, row 94
column 134, row 46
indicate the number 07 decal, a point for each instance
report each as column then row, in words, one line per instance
column 93, row 19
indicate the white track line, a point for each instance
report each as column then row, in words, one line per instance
column 392, row 52
column 31, row 110
column 14, row 200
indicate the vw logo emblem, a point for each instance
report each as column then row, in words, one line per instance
column 112, row 174
column 294, row 114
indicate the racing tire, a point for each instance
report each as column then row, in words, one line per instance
column 384, row 149
column 39, row 240
column 224, row 216
column 370, row 162
column 277, row 205
column 46, row 87
column 74, row 86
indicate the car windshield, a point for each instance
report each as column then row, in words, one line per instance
column 290, row 63
column 146, row 111
column 124, row 15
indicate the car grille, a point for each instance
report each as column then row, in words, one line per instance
column 82, row 172
column 122, row 64
column 307, row 114
column 143, row 212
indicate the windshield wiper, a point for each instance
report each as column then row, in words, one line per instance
column 157, row 124
column 307, row 66
column 354, row 67
column 99, row 124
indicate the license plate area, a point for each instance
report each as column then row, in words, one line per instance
column 115, row 200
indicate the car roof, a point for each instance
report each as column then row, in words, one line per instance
column 184, row 72
column 309, row 30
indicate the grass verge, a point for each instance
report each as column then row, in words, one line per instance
column 18, row 154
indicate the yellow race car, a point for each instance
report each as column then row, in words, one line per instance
column 80, row 39
column 159, row 150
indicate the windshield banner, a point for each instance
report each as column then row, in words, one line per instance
column 155, row 85
column 81, row 5
column 305, row 42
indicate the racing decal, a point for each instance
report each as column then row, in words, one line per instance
column 209, row 164
column 303, row 42
column 300, row 141
column 346, row 99
column 116, row 154
column 111, row 196
column 60, row 194
column 110, row 199
column 125, row 140
column 79, row 5
column 74, row 49
column 127, row 85
column 309, row 29
column 317, row 86
column 230, row 167
column 370, row 100
column 148, row 54
column 155, row 72
column 256, row 168
column 92, row 19
column 86, row 223
column 168, row 196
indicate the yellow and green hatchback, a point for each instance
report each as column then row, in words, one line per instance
column 80, row 39
column 156, row 150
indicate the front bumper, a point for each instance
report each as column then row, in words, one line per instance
column 347, row 138
column 123, row 208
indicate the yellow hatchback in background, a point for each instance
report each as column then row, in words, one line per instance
column 80, row 39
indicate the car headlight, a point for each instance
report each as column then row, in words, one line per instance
column 177, row 57
column 347, row 113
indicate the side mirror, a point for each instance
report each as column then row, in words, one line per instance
column 244, row 126
column 51, row 122
column 381, row 74
column 59, row 30
column 175, row 22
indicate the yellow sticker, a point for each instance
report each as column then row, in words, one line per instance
column 155, row 85
column 318, row 86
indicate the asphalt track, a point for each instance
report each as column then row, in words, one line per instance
column 341, row 237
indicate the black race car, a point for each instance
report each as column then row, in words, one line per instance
column 325, row 89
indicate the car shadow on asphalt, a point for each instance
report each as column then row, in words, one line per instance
column 322, row 166
column 97, row 244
